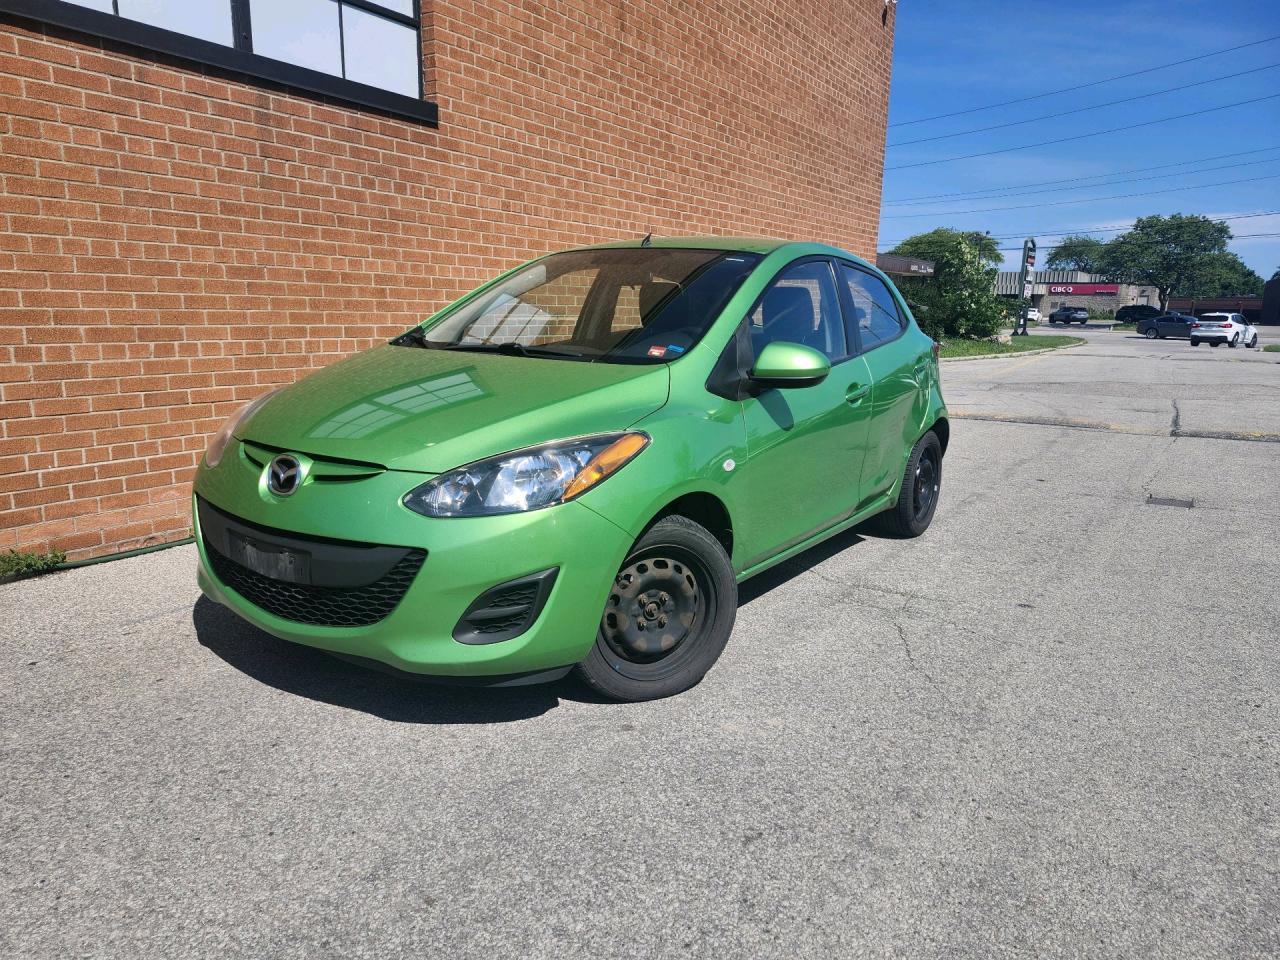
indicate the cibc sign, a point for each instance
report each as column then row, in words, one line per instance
column 1085, row 289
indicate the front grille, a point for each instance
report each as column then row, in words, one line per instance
column 320, row 606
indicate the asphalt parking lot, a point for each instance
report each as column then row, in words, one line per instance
column 1047, row 728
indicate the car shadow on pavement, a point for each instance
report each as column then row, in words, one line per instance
column 788, row 570
column 313, row 674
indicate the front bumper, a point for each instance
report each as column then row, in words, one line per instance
column 464, row 559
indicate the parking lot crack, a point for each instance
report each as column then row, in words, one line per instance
column 1176, row 426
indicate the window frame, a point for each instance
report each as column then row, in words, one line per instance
column 848, row 306
column 240, row 59
column 835, row 278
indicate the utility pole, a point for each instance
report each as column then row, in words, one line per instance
column 1026, row 279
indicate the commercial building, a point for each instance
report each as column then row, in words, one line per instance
column 1056, row 288
column 199, row 201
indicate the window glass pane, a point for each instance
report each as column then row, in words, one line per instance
column 874, row 309
column 207, row 19
column 303, row 32
column 103, row 5
column 801, row 307
column 399, row 6
column 380, row 52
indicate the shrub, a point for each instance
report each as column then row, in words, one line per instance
column 14, row 565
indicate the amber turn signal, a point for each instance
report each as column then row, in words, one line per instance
column 611, row 458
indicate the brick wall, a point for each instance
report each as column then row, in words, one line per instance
column 174, row 240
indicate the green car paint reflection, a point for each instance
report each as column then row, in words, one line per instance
column 577, row 463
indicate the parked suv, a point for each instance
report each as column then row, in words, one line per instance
column 1166, row 325
column 1219, row 328
column 1137, row 311
column 1065, row 314
column 576, row 464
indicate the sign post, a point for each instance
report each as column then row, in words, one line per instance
column 1026, row 280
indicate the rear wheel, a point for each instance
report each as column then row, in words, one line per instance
column 918, row 495
column 1216, row 343
column 667, row 617
column 1235, row 341
column 1254, row 341
column 1195, row 343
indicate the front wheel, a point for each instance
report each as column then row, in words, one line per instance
column 1216, row 344
column 1151, row 333
column 667, row 617
column 918, row 496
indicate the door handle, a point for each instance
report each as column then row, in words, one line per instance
column 855, row 393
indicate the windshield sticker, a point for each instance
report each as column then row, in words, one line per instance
column 675, row 348
column 657, row 351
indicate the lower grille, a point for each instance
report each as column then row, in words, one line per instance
column 319, row 606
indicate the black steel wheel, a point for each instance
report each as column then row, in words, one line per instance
column 668, row 615
column 918, row 495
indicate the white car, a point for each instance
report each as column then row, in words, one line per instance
column 1033, row 315
column 1229, row 328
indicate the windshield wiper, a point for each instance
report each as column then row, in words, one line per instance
column 513, row 349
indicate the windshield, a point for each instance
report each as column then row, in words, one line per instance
column 632, row 305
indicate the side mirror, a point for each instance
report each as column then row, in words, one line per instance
column 783, row 365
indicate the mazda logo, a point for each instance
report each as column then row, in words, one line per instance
column 283, row 475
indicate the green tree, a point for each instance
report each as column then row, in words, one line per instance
column 959, row 300
column 1168, row 253
column 1223, row 275
column 1077, row 253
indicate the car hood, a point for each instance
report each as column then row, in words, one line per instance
column 429, row 411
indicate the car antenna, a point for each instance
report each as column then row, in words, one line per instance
column 647, row 241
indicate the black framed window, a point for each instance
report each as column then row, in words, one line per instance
column 875, row 312
column 365, row 51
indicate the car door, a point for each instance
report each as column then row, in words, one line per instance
column 898, row 366
column 804, row 445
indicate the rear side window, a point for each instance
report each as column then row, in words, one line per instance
column 875, row 312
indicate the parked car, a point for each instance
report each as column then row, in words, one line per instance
column 1065, row 314
column 1137, row 311
column 575, row 465
column 1219, row 328
column 1166, row 325
column 1033, row 315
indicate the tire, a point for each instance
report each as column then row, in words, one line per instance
column 912, row 514
column 1151, row 333
column 1195, row 343
column 1254, row 342
column 1235, row 341
column 1216, row 344
column 676, row 571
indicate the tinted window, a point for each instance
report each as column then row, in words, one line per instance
column 801, row 306
column 207, row 19
column 874, row 310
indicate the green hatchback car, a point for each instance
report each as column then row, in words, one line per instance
column 574, row 466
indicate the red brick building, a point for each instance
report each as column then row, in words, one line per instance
column 200, row 199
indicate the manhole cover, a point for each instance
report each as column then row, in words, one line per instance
column 1154, row 501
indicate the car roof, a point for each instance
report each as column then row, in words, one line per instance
column 760, row 245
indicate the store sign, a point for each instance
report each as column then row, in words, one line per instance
column 1085, row 289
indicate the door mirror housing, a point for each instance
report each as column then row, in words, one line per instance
column 784, row 365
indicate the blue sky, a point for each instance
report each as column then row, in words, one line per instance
column 953, row 56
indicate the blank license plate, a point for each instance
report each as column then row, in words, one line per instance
column 279, row 563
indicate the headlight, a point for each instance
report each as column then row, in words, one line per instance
column 526, row 479
column 218, row 445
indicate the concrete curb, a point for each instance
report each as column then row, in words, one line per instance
column 1010, row 356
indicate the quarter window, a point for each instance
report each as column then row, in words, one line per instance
column 875, row 312
column 801, row 306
